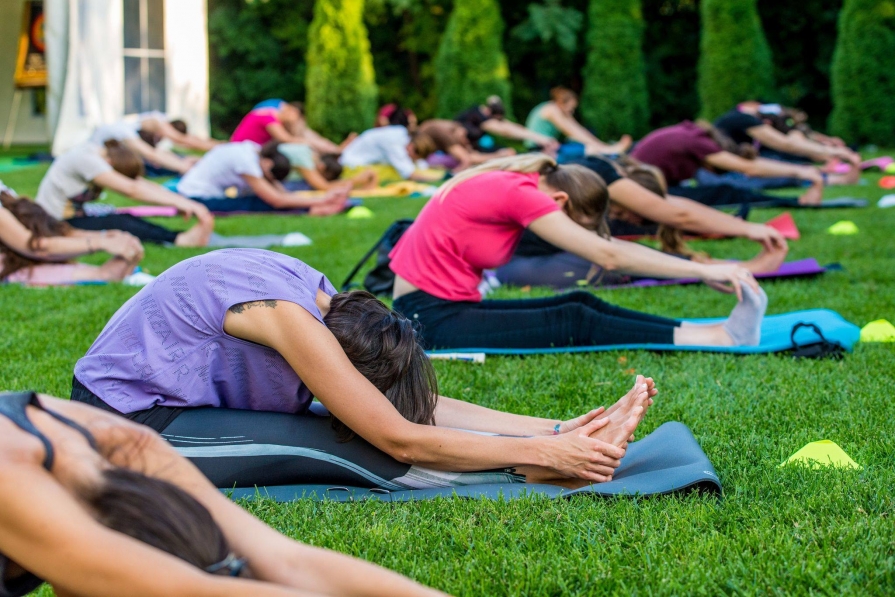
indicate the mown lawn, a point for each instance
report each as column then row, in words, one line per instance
column 775, row 531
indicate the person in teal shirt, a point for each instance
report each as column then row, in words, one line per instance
column 556, row 119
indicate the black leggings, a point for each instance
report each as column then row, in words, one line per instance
column 559, row 270
column 145, row 231
column 570, row 319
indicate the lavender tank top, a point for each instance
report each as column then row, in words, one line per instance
column 167, row 346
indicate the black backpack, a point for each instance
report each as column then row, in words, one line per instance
column 380, row 280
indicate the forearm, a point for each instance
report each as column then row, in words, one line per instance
column 574, row 131
column 511, row 130
column 149, row 192
column 765, row 168
column 168, row 160
column 633, row 258
column 465, row 415
column 696, row 217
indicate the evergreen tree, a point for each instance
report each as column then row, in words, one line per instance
column 470, row 64
column 863, row 83
column 735, row 62
column 341, row 88
column 614, row 100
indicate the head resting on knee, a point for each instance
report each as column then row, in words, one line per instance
column 37, row 221
column 384, row 347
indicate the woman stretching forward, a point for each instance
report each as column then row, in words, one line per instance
column 35, row 248
column 96, row 505
column 217, row 338
column 475, row 222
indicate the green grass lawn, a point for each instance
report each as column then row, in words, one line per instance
column 775, row 531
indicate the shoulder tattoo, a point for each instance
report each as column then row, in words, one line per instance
column 241, row 307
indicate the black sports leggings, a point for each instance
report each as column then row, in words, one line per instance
column 145, row 231
column 570, row 319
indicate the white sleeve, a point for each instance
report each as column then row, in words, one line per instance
column 395, row 151
column 247, row 162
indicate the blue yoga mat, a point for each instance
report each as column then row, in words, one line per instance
column 668, row 460
column 776, row 332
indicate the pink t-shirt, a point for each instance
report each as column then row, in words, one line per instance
column 254, row 126
column 475, row 227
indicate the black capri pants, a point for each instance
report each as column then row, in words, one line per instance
column 570, row 319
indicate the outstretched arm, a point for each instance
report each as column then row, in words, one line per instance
column 688, row 215
column 512, row 130
column 763, row 168
column 798, row 144
column 617, row 255
column 570, row 127
column 146, row 191
column 315, row 355
column 186, row 140
column 63, row 248
column 159, row 157
column 279, row 198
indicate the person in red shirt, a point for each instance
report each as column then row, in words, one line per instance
column 475, row 222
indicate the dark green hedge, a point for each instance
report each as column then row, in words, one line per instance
column 470, row 64
column 341, row 94
column 614, row 99
column 735, row 58
column 863, row 79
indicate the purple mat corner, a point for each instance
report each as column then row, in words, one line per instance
column 790, row 269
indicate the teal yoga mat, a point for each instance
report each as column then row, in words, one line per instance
column 776, row 336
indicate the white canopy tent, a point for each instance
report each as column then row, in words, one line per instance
column 107, row 59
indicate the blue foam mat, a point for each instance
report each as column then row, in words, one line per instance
column 668, row 460
column 775, row 337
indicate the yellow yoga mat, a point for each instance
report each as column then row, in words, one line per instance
column 820, row 454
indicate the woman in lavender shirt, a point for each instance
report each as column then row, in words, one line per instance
column 223, row 353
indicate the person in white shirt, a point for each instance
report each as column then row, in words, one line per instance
column 248, row 177
column 77, row 178
column 392, row 145
column 146, row 131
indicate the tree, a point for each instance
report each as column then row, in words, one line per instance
column 614, row 100
column 863, row 83
column 735, row 63
column 470, row 64
column 341, row 88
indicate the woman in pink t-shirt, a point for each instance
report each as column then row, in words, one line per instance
column 475, row 223
column 284, row 122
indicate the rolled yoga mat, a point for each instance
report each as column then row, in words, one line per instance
column 779, row 333
column 791, row 269
column 668, row 460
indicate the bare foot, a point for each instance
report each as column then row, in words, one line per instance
column 813, row 196
column 853, row 176
column 625, row 415
column 766, row 261
column 623, row 144
column 197, row 236
column 330, row 206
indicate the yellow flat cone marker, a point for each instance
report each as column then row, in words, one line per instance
column 822, row 453
column 843, row 228
column 878, row 331
column 359, row 212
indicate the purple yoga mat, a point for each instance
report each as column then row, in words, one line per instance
column 791, row 269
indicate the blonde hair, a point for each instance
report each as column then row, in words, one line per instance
column 671, row 239
column 587, row 191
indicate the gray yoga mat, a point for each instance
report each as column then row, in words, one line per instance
column 668, row 460
column 294, row 239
